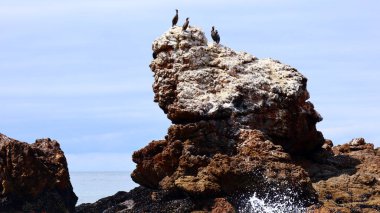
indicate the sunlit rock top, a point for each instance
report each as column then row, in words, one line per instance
column 195, row 80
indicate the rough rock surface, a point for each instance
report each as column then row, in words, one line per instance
column 34, row 177
column 346, row 177
column 201, row 166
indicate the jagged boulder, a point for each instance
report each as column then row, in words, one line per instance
column 34, row 177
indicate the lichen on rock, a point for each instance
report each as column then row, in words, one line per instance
column 200, row 81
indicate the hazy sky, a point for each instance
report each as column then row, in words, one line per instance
column 77, row 70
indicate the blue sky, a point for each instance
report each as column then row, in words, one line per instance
column 77, row 71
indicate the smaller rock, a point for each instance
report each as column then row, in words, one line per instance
column 128, row 204
column 328, row 145
column 357, row 142
column 348, row 179
column 34, row 177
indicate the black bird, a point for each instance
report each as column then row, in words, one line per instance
column 213, row 33
column 175, row 18
column 185, row 25
column 217, row 37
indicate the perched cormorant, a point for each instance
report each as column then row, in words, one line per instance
column 185, row 25
column 213, row 33
column 217, row 37
column 175, row 18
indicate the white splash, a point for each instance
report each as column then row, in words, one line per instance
column 274, row 203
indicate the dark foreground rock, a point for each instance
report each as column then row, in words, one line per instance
column 143, row 199
column 139, row 199
column 34, row 177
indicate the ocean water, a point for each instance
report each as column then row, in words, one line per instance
column 91, row 186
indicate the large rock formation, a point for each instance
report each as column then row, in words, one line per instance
column 34, row 177
column 242, row 129
column 236, row 119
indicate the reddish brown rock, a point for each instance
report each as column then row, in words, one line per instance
column 221, row 205
column 207, row 164
column 34, row 177
column 155, row 162
column 347, row 178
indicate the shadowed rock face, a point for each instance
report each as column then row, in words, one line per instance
column 346, row 177
column 200, row 167
column 34, row 177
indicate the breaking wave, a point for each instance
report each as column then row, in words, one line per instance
column 274, row 203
